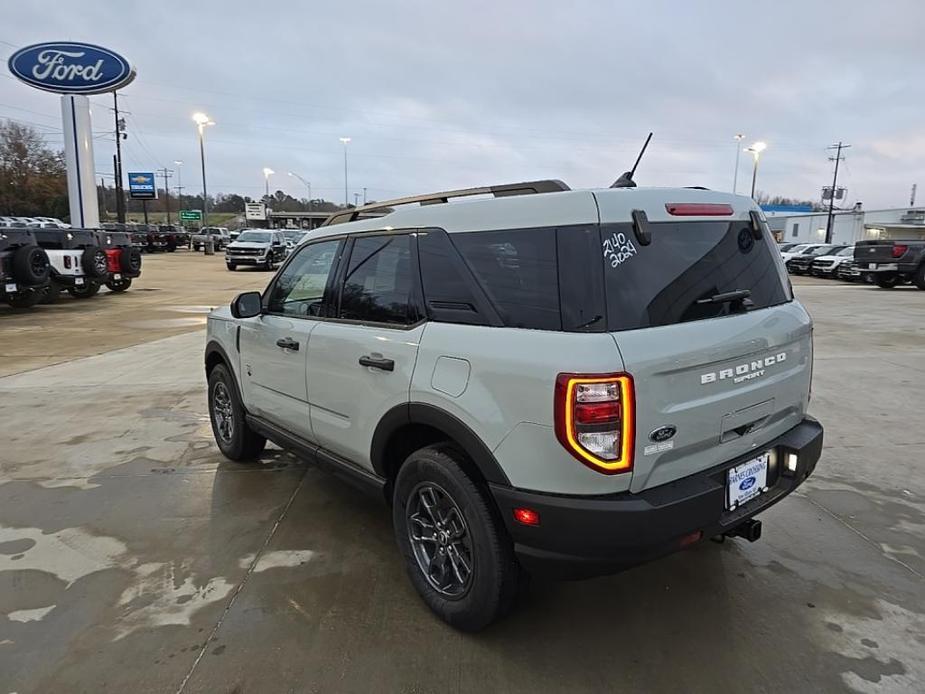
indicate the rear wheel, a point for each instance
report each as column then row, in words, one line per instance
column 119, row 285
column 456, row 553
column 886, row 280
column 918, row 277
column 84, row 291
column 235, row 439
column 26, row 299
column 231, row 266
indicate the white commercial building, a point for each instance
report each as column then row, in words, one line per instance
column 850, row 225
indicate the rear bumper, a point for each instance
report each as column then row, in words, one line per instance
column 582, row 536
column 75, row 280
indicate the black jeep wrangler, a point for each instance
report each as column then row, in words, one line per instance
column 24, row 268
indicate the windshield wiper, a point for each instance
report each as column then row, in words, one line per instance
column 588, row 324
column 739, row 295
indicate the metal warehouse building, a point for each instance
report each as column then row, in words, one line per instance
column 850, row 225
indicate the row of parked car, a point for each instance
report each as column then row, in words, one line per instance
column 887, row 263
column 33, row 223
column 37, row 264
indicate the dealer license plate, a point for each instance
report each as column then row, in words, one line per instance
column 11, row 288
column 78, row 281
column 746, row 481
column 117, row 276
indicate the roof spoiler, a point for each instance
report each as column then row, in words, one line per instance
column 499, row 191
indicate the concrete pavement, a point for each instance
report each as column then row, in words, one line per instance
column 134, row 557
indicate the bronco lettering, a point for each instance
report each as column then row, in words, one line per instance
column 743, row 372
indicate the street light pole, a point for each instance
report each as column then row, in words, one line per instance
column 308, row 185
column 267, row 172
column 345, row 140
column 179, row 165
column 202, row 120
column 735, row 178
column 756, row 149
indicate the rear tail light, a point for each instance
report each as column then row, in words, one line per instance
column 595, row 419
column 899, row 249
column 67, row 262
column 112, row 259
column 698, row 209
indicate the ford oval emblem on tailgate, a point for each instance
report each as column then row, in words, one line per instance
column 663, row 433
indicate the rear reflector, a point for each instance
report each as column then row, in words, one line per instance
column 526, row 516
column 595, row 419
column 899, row 249
column 698, row 209
column 691, row 539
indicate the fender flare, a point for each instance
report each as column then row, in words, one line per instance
column 452, row 426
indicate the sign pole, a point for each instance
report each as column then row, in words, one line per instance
column 78, row 158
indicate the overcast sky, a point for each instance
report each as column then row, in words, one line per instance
column 444, row 95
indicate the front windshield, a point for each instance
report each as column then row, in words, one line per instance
column 254, row 237
column 798, row 249
column 822, row 250
column 846, row 251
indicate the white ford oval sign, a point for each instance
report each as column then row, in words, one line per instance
column 68, row 67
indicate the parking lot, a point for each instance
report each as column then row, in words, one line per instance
column 134, row 557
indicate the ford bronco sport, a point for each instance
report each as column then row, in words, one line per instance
column 550, row 381
column 264, row 248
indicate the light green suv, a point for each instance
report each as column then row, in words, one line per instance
column 540, row 380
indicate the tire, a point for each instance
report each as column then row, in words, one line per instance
column 237, row 441
column 52, row 293
column 26, row 299
column 885, row 281
column 94, row 262
column 488, row 590
column 130, row 261
column 231, row 266
column 89, row 289
column 119, row 285
column 30, row 265
column 918, row 277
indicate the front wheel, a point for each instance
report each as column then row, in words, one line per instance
column 918, row 277
column 26, row 299
column 885, row 280
column 457, row 555
column 231, row 266
column 235, row 439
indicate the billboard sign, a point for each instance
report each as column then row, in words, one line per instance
column 141, row 186
column 68, row 67
column 255, row 210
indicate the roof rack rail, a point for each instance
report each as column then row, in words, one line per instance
column 500, row 191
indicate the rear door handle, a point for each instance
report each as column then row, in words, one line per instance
column 288, row 343
column 378, row 363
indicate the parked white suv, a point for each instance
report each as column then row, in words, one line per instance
column 556, row 381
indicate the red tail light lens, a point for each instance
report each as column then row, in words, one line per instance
column 899, row 249
column 67, row 262
column 526, row 516
column 595, row 419
column 112, row 259
column 698, row 209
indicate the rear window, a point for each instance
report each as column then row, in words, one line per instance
column 661, row 284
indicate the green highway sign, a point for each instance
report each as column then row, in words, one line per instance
column 190, row 215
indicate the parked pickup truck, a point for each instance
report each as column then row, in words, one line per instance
column 219, row 235
column 24, row 269
column 892, row 262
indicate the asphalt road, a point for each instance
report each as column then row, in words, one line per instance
column 133, row 557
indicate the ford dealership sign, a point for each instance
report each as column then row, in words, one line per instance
column 71, row 68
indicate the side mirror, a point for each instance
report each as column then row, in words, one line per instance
column 247, row 305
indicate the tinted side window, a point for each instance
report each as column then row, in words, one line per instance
column 517, row 270
column 447, row 283
column 299, row 289
column 581, row 279
column 378, row 283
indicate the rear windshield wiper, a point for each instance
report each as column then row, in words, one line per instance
column 737, row 295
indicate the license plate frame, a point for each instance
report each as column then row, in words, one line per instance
column 79, row 281
column 10, row 287
column 747, row 481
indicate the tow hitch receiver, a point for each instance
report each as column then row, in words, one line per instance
column 750, row 530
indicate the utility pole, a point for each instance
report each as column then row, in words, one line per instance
column 912, row 195
column 166, row 173
column 120, row 127
column 735, row 176
column 837, row 158
column 364, row 196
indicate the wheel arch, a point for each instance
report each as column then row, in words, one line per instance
column 408, row 427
